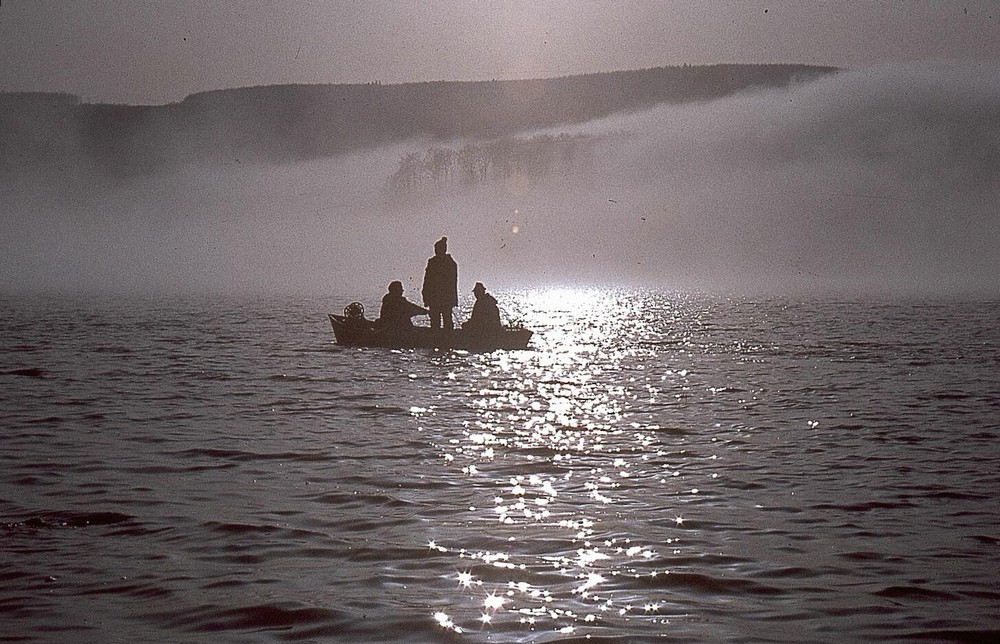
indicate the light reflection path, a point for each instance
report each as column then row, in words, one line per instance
column 552, row 443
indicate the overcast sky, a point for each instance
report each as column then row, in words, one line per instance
column 157, row 52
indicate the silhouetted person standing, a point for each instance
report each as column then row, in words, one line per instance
column 396, row 310
column 440, row 289
column 485, row 317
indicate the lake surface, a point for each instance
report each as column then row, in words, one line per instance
column 657, row 466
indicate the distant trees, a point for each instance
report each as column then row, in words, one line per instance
column 497, row 160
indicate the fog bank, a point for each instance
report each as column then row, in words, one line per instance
column 871, row 182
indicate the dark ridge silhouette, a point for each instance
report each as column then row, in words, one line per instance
column 299, row 122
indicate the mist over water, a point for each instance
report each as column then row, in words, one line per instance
column 872, row 182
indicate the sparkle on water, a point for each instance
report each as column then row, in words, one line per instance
column 551, row 443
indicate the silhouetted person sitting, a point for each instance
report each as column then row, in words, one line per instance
column 396, row 310
column 440, row 289
column 485, row 317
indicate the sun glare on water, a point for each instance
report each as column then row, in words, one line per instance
column 552, row 450
column 565, row 298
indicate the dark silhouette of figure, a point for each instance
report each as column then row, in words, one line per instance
column 396, row 310
column 485, row 317
column 440, row 289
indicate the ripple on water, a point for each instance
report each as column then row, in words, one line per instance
column 656, row 466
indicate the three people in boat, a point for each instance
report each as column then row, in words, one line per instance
column 440, row 295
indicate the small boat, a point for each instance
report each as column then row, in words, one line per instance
column 353, row 330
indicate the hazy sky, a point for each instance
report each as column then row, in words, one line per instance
column 157, row 52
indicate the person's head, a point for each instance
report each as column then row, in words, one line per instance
column 396, row 287
column 441, row 246
column 478, row 289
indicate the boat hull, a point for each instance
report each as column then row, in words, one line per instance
column 359, row 333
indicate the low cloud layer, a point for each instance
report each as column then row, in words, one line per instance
column 870, row 182
column 881, row 181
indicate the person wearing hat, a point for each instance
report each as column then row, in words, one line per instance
column 485, row 312
column 440, row 290
column 396, row 310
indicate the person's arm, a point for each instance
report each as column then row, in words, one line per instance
column 425, row 287
column 495, row 314
column 415, row 309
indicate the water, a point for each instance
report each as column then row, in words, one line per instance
column 657, row 466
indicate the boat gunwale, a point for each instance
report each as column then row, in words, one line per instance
column 509, row 339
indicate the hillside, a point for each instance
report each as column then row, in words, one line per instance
column 58, row 132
